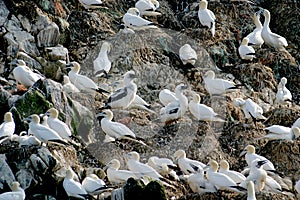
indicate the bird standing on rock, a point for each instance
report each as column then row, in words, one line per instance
column 207, row 17
column 7, row 128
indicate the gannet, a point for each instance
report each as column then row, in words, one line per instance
column 187, row 165
column 26, row 140
column 43, row 133
column 140, row 169
column 296, row 123
column 147, row 7
column 102, row 64
column 283, row 95
column 69, row 87
column 72, row 187
column 25, row 75
column 187, row 54
column 221, row 181
column 201, row 111
column 206, row 16
column 250, row 191
column 199, row 184
column 217, row 86
column 166, row 96
column 272, row 185
column 255, row 36
column 91, row 4
column 123, row 97
column 94, row 185
column 115, row 175
column 7, row 128
column 250, row 156
column 83, row 83
column 176, row 109
column 246, row 52
column 17, row 193
column 114, row 129
column 250, row 109
column 257, row 174
column 234, row 175
column 163, row 166
column 132, row 19
column 272, row 39
column 277, row 132
column 57, row 125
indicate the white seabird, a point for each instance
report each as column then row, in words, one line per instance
column 257, row 174
column 206, row 16
column 246, row 52
column 102, row 64
column 199, row 184
column 250, row 156
column 187, row 165
column 69, row 87
column 217, row 86
column 234, row 175
column 147, row 7
column 43, row 133
column 132, row 19
column 72, row 187
column 83, row 83
column 187, row 54
column 296, row 123
column 114, row 129
column 283, row 95
column 17, row 193
column 250, row 191
column 297, row 187
column 57, row 125
column 221, row 181
column 123, row 97
column 255, row 36
column 91, row 4
column 115, row 175
column 250, row 109
column 278, row 132
column 26, row 140
column 176, row 109
column 166, row 96
column 163, row 166
column 270, row 38
column 140, row 169
column 25, row 75
column 94, row 185
column 272, row 185
column 7, row 128
column 201, row 111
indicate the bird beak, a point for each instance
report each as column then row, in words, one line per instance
column 243, row 153
column 14, row 62
column 102, row 114
column 27, row 119
column 121, row 26
column 184, row 87
column 250, row 44
column 262, row 162
column 105, row 167
column 261, row 11
column 206, row 167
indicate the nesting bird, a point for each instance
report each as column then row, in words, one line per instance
column 72, row 187
column 257, row 174
column 246, row 52
column 91, row 4
column 199, row 184
column 69, row 87
column 147, row 7
column 7, row 128
column 201, row 111
column 270, row 38
column 166, row 96
column 255, row 37
column 206, row 16
column 187, row 54
column 102, row 64
column 83, row 83
column 25, row 75
column 283, row 95
column 163, row 166
column 278, row 132
column 234, row 175
column 94, row 185
column 132, row 19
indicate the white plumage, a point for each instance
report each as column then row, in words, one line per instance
column 297, row 187
column 24, row 75
column 187, row 54
column 257, row 174
column 202, row 111
column 250, row 191
column 278, row 132
column 94, row 185
column 166, row 96
column 132, row 19
column 102, row 63
column 162, row 166
column 234, row 175
column 246, row 52
column 217, row 86
column 72, row 187
column 270, row 38
column 91, row 4
column 255, row 36
column 57, row 125
column 283, row 95
column 206, row 16
column 7, row 128
column 17, row 193
column 147, row 7
column 69, row 87
column 199, row 184
column 250, row 108
column 187, row 165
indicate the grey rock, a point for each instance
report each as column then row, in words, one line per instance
column 25, row 178
column 49, row 36
column 13, row 24
column 57, row 53
column 6, row 175
column 4, row 12
column 25, row 22
column 9, row 37
column 47, row 157
column 30, row 62
column 38, row 164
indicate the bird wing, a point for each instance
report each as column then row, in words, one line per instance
column 135, row 21
column 121, row 130
column 118, row 94
column 187, row 53
column 253, row 108
column 166, row 96
column 144, row 5
column 278, row 129
column 73, row 187
column 220, row 180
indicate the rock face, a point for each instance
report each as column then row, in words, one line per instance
column 47, row 35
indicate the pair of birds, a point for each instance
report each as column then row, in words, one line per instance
column 261, row 34
column 91, row 185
